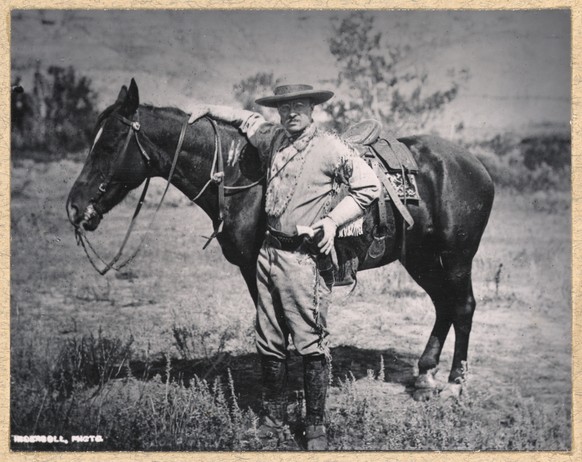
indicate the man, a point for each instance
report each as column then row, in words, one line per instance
column 305, row 167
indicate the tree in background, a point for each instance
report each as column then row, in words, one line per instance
column 251, row 88
column 382, row 80
column 56, row 116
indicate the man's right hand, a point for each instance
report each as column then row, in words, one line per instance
column 196, row 111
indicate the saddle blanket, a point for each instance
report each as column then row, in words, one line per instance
column 408, row 192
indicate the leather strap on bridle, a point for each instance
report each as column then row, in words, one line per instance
column 219, row 171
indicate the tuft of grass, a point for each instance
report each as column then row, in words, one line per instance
column 358, row 422
column 88, row 361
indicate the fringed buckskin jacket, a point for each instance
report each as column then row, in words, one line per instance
column 308, row 174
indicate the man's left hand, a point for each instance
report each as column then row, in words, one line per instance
column 329, row 228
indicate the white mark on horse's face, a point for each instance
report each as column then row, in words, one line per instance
column 97, row 136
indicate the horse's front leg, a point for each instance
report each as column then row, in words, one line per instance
column 235, row 243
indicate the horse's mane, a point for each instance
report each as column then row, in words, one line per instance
column 179, row 114
column 171, row 111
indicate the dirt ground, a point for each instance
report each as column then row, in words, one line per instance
column 521, row 338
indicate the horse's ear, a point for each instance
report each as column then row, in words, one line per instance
column 122, row 94
column 131, row 101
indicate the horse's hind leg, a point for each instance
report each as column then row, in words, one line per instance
column 447, row 280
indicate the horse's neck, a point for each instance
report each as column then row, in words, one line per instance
column 193, row 170
column 243, row 220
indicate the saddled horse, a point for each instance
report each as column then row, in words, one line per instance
column 135, row 142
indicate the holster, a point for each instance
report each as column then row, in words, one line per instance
column 326, row 264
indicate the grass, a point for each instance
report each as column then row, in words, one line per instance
column 143, row 358
column 129, row 414
column 132, row 413
column 357, row 423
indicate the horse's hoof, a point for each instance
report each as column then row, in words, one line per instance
column 427, row 380
column 424, row 394
column 451, row 391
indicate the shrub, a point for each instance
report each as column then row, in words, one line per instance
column 56, row 116
column 130, row 414
column 552, row 150
column 162, row 414
column 537, row 163
column 206, row 335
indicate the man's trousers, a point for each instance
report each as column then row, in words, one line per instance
column 293, row 300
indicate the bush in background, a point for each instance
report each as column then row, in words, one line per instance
column 56, row 116
column 533, row 163
column 552, row 150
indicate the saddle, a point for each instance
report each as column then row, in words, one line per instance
column 396, row 169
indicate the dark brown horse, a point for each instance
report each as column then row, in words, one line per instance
column 455, row 189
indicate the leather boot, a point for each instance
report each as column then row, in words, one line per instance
column 315, row 379
column 273, row 417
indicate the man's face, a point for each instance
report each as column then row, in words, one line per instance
column 295, row 114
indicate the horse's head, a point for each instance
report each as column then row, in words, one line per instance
column 114, row 166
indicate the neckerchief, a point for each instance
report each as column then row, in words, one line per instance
column 286, row 167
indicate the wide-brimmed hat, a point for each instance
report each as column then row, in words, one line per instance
column 289, row 92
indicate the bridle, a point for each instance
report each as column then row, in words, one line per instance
column 216, row 176
column 134, row 129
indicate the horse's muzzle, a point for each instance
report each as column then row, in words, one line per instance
column 91, row 224
column 88, row 220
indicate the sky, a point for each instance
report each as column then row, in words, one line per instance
column 519, row 61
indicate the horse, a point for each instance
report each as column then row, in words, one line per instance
column 134, row 142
